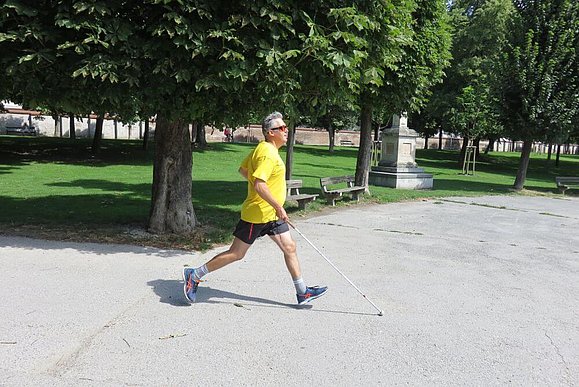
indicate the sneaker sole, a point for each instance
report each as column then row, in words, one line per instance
column 185, row 285
column 307, row 300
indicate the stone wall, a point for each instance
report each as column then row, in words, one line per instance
column 46, row 126
column 304, row 136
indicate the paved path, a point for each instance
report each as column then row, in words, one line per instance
column 475, row 291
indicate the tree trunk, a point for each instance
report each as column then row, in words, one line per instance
column 98, row 134
column 171, row 205
column 200, row 139
column 332, row 136
column 289, row 156
column 476, row 143
column 116, row 124
column 146, row 134
column 523, row 165
column 88, row 126
column 549, row 151
column 440, row 139
column 465, row 141
column 57, row 130
column 490, row 146
column 426, row 137
column 558, row 154
column 71, row 128
column 365, row 150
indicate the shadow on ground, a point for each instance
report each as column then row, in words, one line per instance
column 171, row 292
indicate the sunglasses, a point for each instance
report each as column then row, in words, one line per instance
column 283, row 128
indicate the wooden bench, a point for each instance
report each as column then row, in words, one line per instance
column 293, row 193
column 566, row 182
column 346, row 143
column 332, row 194
column 22, row 131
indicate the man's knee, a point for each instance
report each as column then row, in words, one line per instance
column 236, row 255
column 289, row 246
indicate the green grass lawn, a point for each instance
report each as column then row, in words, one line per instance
column 52, row 184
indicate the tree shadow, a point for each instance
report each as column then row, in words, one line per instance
column 142, row 190
column 91, row 248
column 478, row 186
column 498, row 164
column 219, row 192
column 216, row 204
column 14, row 150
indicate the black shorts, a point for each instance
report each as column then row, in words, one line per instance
column 249, row 232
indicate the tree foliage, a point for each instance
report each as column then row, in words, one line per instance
column 407, row 55
column 467, row 102
column 215, row 61
column 541, row 74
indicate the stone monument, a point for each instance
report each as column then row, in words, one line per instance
column 397, row 167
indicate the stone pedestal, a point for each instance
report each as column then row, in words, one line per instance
column 397, row 167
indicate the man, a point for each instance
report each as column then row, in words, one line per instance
column 262, row 213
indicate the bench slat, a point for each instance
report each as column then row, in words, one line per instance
column 345, row 190
column 293, row 193
column 299, row 197
column 332, row 194
column 566, row 182
column 325, row 181
column 293, row 184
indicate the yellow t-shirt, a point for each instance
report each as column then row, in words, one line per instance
column 263, row 163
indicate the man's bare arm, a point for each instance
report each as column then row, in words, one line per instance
column 243, row 172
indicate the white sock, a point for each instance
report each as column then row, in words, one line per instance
column 300, row 285
column 200, row 272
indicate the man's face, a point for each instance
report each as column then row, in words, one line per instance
column 279, row 130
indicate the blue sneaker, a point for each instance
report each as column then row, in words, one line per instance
column 311, row 294
column 191, row 284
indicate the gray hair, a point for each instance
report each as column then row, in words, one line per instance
column 267, row 123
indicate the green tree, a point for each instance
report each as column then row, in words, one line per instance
column 184, row 61
column 408, row 50
column 126, row 57
column 541, row 68
column 467, row 102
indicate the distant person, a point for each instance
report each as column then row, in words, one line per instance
column 262, row 213
column 228, row 135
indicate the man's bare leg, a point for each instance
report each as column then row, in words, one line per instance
column 288, row 247
column 192, row 277
column 235, row 252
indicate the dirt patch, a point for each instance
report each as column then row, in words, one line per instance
column 201, row 239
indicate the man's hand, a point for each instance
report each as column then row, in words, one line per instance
column 281, row 214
